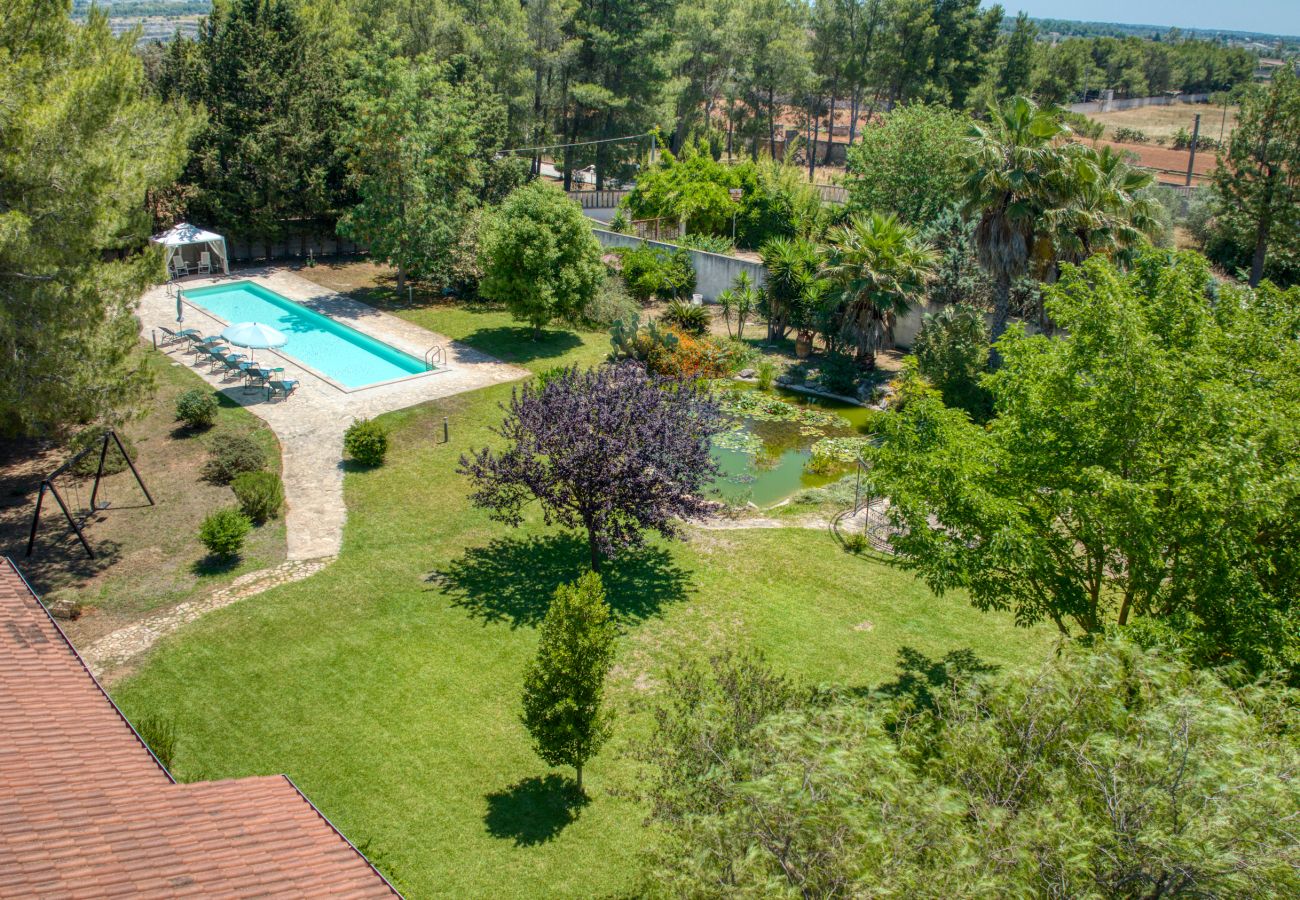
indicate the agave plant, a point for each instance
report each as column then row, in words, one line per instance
column 687, row 317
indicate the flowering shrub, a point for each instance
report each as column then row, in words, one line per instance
column 695, row 357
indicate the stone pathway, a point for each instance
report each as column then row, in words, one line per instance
column 125, row 644
column 310, row 424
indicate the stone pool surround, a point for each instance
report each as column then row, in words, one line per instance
column 310, row 423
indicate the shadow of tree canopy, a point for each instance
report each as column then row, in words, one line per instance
column 534, row 810
column 512, row 579
column 515, row 344
column 920, row 677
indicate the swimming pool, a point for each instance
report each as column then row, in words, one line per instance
column 339, row 353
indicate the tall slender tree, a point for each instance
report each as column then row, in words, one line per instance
column 1017, row 70
column 564, row 686
column 1260, row 175
column 1010, row 160
column 272, row 86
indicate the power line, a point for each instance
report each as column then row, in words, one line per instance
column 630, row 137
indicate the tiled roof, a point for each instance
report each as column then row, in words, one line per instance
column 86, row 811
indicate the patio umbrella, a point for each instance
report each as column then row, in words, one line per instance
column 254, row 336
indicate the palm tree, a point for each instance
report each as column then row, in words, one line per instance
column 1097, row 207
column 1010, row 162
column 878, row 267
column 787, row 260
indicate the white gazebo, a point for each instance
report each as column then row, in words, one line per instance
column 210, row 255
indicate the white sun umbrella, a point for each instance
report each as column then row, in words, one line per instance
column 254, row 336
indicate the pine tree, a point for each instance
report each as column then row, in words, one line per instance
column 270, row 79
column 82, row 143
column 1260, row 177
column 1018, row 62
column 565, row 685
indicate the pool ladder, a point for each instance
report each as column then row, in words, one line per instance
column 434, row 357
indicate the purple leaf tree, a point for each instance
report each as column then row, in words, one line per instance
column 614, row 450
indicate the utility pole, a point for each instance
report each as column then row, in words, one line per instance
column 1191, row 156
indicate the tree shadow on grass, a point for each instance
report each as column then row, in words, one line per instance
column 513, row 579
column 920, row 677
column 516, row 344
column 533, row 811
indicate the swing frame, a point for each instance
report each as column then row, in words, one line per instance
column 47, row 484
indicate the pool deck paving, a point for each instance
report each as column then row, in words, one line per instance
column 310, row 423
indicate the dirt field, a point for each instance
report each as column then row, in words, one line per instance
column 1164, row 121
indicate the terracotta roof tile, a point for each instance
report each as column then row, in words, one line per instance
column 86, row 810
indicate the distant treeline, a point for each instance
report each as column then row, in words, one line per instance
column 1155, row 32
column 136, row 8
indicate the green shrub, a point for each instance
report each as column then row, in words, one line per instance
column 652, row 272
column 951, row 351
column 160, row 736
column 1130, row 136
column 709, row 243
column 610, row 304
column 366, row 441
column 88, row 438
column 855, row 542
column 678, row 278
column 640, row 271
column 224, row 531
column 260, row 494
column 839, row 374
column 232, row 455
column 687, row 317
column 197, row 408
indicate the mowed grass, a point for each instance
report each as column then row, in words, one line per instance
column 388, row 686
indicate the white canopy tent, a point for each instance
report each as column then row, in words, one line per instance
column 182, row 235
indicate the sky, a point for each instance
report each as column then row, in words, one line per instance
column 1270, row 16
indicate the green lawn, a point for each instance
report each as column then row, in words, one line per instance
column 388, row 686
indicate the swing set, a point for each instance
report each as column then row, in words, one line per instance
column 98, row 501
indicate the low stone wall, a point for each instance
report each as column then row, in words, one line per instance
column 714, row 273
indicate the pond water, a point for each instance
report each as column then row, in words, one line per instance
column 764, row 459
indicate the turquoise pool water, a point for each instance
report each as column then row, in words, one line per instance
column 331, row 348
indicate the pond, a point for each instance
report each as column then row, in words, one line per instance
column 769, row 452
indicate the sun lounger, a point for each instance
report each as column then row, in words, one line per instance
column 217, row 357
column 229, row 361
column 209, row 353
column 282, row 386
column 257, row 375
column 176, row 337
